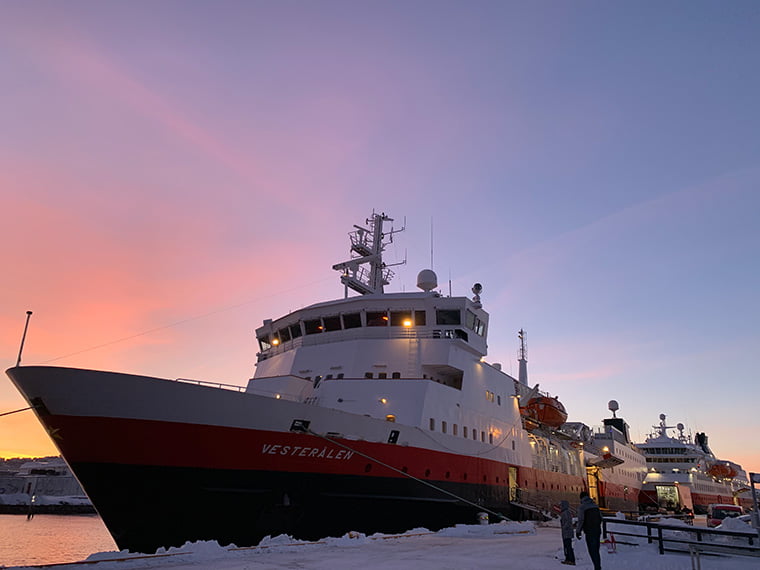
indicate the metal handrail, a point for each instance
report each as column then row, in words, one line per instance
column 232, row 387
column 699, row 532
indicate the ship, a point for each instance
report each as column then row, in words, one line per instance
column 683, row 472
column 374, row 412
column 616, row 467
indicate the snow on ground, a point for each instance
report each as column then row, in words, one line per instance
column 482, row 547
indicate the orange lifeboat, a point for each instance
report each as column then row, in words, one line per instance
column 722, row 471
column 545, row 410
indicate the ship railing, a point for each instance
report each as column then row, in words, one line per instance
column 232, row 387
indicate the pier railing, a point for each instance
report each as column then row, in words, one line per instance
column 681, row 538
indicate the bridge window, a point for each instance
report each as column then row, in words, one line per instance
column 401, row 318
column 284, row 334
column 312, row 326
column 376, row 319
column 295, row 330
column 448, row 317
column 264, row 343
column 420, row 318
column 352, row 320
column 332, row 323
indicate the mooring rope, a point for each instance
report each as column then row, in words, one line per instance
column 16, row 411
column 405, row 474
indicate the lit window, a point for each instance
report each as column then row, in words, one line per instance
column 401, row 318
column 376, row 319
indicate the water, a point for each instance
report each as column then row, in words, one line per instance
column 48, row 539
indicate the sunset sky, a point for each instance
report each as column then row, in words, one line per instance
column 172, row 173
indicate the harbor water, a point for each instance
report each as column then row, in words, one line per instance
column 49, row 539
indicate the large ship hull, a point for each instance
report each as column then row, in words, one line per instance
column 165, row 462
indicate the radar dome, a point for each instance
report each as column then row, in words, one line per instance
column 613, row 406
column 427, row 280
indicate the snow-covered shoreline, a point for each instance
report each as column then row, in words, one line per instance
column 524, row 545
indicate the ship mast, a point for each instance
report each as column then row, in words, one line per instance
column 522, row 358
column 365, row 272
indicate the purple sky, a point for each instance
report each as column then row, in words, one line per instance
column 595, row 165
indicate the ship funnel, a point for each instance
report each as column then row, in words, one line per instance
column 616, row 422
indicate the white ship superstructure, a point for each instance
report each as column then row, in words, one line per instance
column 683, row 472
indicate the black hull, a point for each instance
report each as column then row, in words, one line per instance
column 146, row 508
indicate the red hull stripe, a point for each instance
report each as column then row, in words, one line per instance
column 172, row 444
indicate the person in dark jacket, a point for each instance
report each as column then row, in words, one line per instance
column 566, row 524
column 590, row 523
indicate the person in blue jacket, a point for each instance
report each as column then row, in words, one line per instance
column 566, row 524
column 590, row 524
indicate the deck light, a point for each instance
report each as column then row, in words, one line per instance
column 383, row 401
column 275, row 341
column 407, row 323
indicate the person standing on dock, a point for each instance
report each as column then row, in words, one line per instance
column 590, row 523
column 566, row 524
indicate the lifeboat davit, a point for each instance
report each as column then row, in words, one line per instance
column 545, row 410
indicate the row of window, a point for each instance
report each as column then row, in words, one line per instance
column 346, row 321
column 466, row 433
column 666, row 451
column 491, row 397
column 671, row 460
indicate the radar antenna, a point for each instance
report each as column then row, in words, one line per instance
column 365, row 272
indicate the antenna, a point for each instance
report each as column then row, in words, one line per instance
column 23, row 338
column 431, row 242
